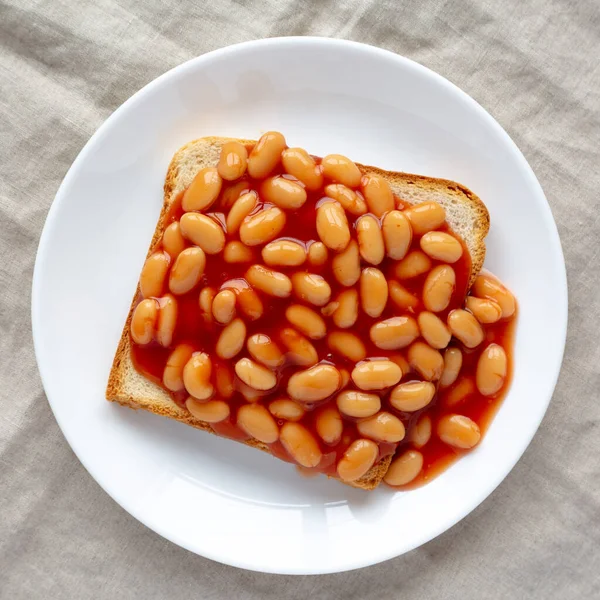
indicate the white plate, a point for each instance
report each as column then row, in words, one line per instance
column 215, row 497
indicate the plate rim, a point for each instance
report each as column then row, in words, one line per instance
column 405, row 62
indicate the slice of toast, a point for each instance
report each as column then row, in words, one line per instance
column 466, row 215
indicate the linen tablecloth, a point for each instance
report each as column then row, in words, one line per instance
column 66, row 65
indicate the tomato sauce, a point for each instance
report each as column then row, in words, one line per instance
column 202, row 334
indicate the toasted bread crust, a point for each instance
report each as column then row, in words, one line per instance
column 129, row 388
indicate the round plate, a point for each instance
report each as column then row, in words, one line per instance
column 215, row 497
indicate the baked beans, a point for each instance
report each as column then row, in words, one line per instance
column 438, row 288
column 312, row 288
column 298, row 163
column 263, row 311
column 459, row 392
column 307, row 321
column 187, row 270
column 299, row 350
column 421, row 431
column 330, row 308
column 376, row 374
column 405, row 468
column 341, row 170
column 203, row 231
column 203, row 191
column 236, row 252
column 345, row 378
column 196, row 376
column 213, row 411
column 231, row 194
column 143, row 321
column 232, row 161
column 249, row 302
column 332, row 226
column 286, row 409
column 346, row 344
column 167, row 320
column 485, row 310
column 300, row 444
column 394, row 333
column 257, row 422
column 427, row 361
column 486, row 286
column 314, row 384
column 452, row 364
column 373, row 291
column 358, row 404
column 492, row 368
column 262, row 227
column 285, row 193
column 346, row 265
column 173, row 241
column 241, row 208
column 465, row 327
column 263, row 349
column 283, row 253
column 254, row 375
column 223, row 306
column 397, row 234
column 224, row 381
column 231, row 340
column 266, row 154
column 317, row 254
column 154, row 273
column 370, row 239
column 383, row 427
column 357, row 460
column 425, row 217
column 348, row 198
column 412, row 396
column 173, row 373
column 415, row 263
column 378, row 194
column 401, row 297
column 346, row 311
column 205, row 300
column 458, row 431
column 434, row 330
column 329, row 425
column 441, row 246
column 272, row 283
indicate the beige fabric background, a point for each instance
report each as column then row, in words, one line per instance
column 65, row 66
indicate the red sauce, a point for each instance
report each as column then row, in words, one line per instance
column 192, row 328
column 438, row 456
